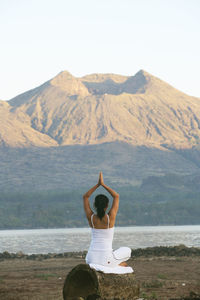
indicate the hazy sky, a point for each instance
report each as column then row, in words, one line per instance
column 40, row 38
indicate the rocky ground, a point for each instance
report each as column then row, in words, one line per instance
column 42, row 277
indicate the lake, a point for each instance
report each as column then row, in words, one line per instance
column 77, row 239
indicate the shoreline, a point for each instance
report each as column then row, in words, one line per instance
column 157, row 251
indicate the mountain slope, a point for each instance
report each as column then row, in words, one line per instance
column 99, row 108
column 69, row 167
column 16, row 131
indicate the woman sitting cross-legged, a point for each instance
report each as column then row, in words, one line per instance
column 100, row 255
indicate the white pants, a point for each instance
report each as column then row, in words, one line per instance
column 108, row 258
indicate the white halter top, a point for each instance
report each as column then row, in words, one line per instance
column 101, row 239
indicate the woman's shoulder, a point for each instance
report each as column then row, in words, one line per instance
column 112, row 218
column 98, row 223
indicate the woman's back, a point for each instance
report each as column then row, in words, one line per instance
column 101, row 237
column 98, row 223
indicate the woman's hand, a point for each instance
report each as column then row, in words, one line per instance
column 100, row 182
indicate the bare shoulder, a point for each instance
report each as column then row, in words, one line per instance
column 89, row 218
column 112, row 218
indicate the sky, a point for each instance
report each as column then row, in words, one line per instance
column 40, row 38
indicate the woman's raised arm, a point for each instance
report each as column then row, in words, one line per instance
column 86, row 202
column 115, row 205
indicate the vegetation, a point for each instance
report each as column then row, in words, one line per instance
column 61, row 208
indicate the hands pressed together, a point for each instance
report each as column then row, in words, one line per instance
column 115, row 204
column 100, row 182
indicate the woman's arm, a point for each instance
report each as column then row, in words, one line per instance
column 115, row 205
column 86, row 202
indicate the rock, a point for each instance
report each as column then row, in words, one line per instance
column 19, row 254
column 82, row 282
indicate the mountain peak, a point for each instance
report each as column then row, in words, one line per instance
column 61, row 77
column 64, row 74
column 70, row 84
column 143, row 72
column 148, row 83
column 144, row 75
column 137, row 84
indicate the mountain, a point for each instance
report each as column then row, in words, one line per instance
column 141, row 132
column 99, row 108
column 131, row 127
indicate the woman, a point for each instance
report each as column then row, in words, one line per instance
column 100, row 252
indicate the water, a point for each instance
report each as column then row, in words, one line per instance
column 77, row 239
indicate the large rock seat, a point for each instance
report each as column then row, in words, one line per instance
column 84, row 283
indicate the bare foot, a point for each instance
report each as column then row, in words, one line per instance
column 123, row 264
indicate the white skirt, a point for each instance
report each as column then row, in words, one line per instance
column 108, row 258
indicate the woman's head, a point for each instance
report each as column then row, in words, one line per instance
column 101, row 204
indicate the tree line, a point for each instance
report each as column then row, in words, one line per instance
column 62, row 208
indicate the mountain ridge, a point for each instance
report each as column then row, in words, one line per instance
column 99, row 108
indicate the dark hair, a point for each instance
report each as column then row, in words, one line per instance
column 100, row 203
